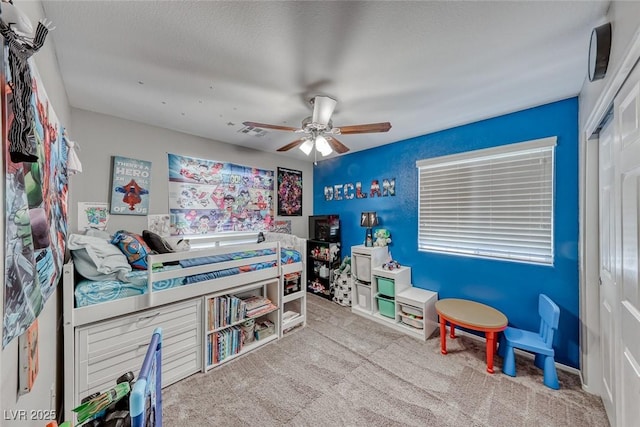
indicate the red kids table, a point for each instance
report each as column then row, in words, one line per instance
column 471, row 315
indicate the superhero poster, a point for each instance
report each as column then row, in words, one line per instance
column 35, row 203
column 130, row 184
column 289, row 192
column 207, row 196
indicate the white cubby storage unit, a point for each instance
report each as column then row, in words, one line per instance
column 224, row 321
column 406, row 308
column 363, row 260
column 384, row 287
column 416, row 312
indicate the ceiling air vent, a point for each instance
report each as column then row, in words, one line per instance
column 253, row 131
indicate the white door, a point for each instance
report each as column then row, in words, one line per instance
column 627, row 169
column 608, row 287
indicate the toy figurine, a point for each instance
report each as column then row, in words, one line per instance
column 383, row 237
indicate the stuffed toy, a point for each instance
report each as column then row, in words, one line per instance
column 382, row 236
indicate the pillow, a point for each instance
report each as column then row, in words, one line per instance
column 97, row 259
column 133, row 247
column 156, row 242
column 103, row 234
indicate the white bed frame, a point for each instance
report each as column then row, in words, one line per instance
column 202, row 246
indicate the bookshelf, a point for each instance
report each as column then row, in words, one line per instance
column 240, row 320
column 294, row 301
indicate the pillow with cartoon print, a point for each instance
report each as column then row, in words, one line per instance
column 133, row 247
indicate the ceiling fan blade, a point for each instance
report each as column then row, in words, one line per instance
column 369, row 128
column 266, row 126
column 337, row 146
column 291, row 145
column 323, row 107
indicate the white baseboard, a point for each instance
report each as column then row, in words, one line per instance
column 520, row 352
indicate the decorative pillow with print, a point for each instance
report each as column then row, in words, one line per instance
column 133, row 247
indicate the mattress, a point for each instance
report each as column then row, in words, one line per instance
column 89, row 292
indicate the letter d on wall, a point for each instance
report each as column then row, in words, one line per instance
column 328, row 193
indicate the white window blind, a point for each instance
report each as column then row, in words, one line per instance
column 495, row 203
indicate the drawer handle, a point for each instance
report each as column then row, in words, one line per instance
column 151, row 316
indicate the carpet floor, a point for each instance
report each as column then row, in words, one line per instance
column 346, row 370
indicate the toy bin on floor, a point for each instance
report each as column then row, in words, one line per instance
column 386, row 306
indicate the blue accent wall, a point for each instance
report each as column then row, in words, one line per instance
column 511, row 287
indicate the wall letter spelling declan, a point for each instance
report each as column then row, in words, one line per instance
column 359, row 193
column 328, row 193
column 389, row 187
column 337, row 192
column 348, row 191
column 375, row 189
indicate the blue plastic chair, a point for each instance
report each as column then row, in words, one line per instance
column 540, row 343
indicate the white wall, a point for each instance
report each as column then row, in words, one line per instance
column 101, row 137
column 625, row 23
column 49, row 319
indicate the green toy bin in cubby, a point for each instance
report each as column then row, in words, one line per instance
column 386, row 306
column 386, row 286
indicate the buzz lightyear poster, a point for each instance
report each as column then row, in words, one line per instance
column 208, row 196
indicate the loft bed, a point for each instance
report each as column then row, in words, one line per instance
column 105, row 322
column 215, row 262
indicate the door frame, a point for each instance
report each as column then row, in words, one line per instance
column 590, row 351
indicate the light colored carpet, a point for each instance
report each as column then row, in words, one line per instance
column 345, row 370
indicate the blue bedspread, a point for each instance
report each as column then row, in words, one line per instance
column 89, row 292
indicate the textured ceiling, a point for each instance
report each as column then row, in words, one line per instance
column 205, row 67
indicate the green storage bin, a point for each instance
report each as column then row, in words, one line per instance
column 386, row 306
column 386, row 286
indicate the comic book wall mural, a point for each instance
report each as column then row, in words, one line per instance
column 207, row 196
column 35, row 209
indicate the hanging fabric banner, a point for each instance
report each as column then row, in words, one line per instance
column 35, row 209
column 208, row 196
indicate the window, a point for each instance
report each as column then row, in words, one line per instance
column 494, row 203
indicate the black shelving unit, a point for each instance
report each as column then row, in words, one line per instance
column 322, row 259
column 323, row 253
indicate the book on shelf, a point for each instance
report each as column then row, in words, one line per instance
column 289, row 315
column 29, row 359
column 261, row 310
column 254, row 302
column 257, row 306
column 225, row 310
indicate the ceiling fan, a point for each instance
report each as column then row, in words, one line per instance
column 318, row 129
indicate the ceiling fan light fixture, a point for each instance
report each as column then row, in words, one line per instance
column 307, row 146
column 323, row 146
column 323, row 107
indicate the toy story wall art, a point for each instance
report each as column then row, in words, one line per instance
column 35, row 206
column 289, row 192
column 207, row 196
column 130, row 184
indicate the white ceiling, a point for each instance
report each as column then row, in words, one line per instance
column 205, row 67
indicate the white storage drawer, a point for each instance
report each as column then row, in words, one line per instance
column 106, row 350
column 409, row 309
